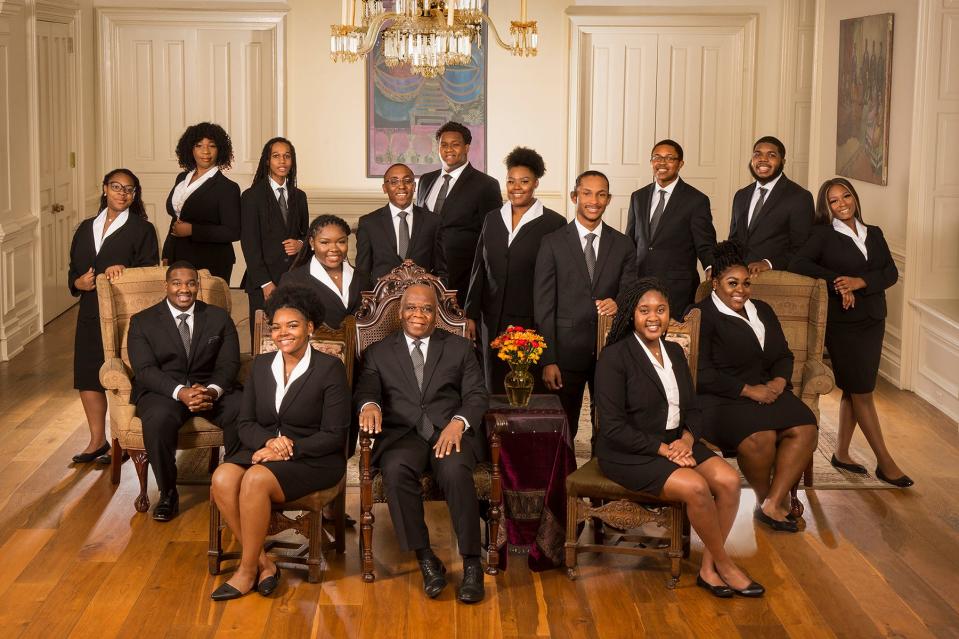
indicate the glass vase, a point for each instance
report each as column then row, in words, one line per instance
column 519, row 385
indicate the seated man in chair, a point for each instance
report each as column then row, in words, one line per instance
column 185, row 356
column 422, row 392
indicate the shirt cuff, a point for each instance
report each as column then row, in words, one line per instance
column 768, row 262
column 219, row 391
column 466, row 424
column 267, row 284
column 176, row 391
column 368, row 403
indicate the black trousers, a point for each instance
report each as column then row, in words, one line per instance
column 162, row 417
column 403, row 463
column 571, row 396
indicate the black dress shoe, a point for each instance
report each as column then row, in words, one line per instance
column 226, row 592
column 753, row 590
column 86, row 458
column 899, row 482
column 723, row 592
column 859, row 469
column 168, row 507
column 434, row 579
column 781, row 526
column 269, row 584
column 471, row 589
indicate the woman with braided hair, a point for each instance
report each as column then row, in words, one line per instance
column 649, row 428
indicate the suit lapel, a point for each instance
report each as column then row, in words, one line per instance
column 774, row 196
column 199, row 323
column 641, row 359
column 295, row 387
column 385, row 220
column 528, row 227
column 272, row 204
column 674, row 202
column 433, row 354
column 643, row 221
column 113, row 235
column 405, row 362
column 169, row 324
column 576, row 252
column 605, row 246
column 425, row 186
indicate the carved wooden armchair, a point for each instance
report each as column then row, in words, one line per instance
column 308, row 521
column 135, row 290
column 801, row 304
column 623, row 509
column 378, row 317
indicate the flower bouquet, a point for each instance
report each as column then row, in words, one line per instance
column 519, row 347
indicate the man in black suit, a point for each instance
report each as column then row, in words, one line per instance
column 274, row 218
column 422, row 393
column 771, row 218
column 461, row 196
column 185, row 356
column 671, row 224
column 400, row 230
column 580, row 269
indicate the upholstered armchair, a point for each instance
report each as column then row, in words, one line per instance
column 378, row 317
column 133, row 291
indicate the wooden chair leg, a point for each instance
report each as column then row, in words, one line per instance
column 214, row 553
column 366, row 540
column 314, row 560
column 675, row 552
column 796, row 507
column 339, row 526
column 807, row 475
column 599, row 529
column 492, row 538
column 214, row 459
column 571, row 536
column 139, row 457
column 116, row 461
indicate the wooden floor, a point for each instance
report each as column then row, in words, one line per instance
column 77, row 561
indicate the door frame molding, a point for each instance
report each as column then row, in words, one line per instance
column 585, row 21
column 109, row 21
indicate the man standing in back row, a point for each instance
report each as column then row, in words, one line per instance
column 461, row 196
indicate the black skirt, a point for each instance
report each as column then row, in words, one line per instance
column 650, row 472
column 298, row 479
column 728, row 422
column 855, row 349
column 87, row 355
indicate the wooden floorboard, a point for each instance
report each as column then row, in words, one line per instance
column 77, row 561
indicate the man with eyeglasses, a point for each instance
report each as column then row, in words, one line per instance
column 772, row 217
column 399, row 231
column 422, row 395
column 671, row 224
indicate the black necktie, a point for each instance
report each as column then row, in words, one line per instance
column 284, row 209
column 590, row 253
column 441, row 196
column 657, row 214
column 184, row 332
column 403, row 240
column 758, row 209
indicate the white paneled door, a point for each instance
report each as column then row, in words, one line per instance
column 56, row 82
column 639, row 85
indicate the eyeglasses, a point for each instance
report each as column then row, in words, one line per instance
column 407, row 181
column 116, row 187
column 664, row 158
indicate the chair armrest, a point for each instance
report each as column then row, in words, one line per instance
column 115, row 376
column 817, row 378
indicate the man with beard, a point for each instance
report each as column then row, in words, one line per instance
column 771, row 218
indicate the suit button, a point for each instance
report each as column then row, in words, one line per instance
column 650, row 248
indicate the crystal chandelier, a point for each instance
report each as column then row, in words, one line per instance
column 428, row 35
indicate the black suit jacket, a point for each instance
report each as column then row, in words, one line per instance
column 133, row 244
column 263, row 231
column 315, row 412
column 214, row 211
column 684, row 233
column 467, row 203
column 829, row 254
column 564, row 301
column 159, row 362
column 332, row 304
column 631, row 401
column 500, row 291
column 730, row 355
column 452, row 385
column 376, row 251
column 782, row 227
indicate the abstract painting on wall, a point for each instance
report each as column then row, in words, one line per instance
column 404, row 110
column 865, row 77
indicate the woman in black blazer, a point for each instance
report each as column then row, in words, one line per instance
column 500, row 291
column 275, row 218
column 743, row 383
column 322, row 265
column 292, row 429
column 120, row 236
column 855, row 261
column 204, row 203
column 649, row 427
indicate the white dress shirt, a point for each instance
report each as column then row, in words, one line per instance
column 319, row 272
column 395, row 216
column 668, row 378
column 189, row 322
column 654, row 201
column 438, row 184
column 506, row 211
column 184, row 189
column 859, row 237
column 583, row 232
column 276, row 189
column 278, row 368
column 100, row 221
column 756, row 324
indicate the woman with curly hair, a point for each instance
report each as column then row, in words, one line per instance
column 744, row 390
column 500, row 291
column 292, row 428
column 649, row 429
column 204, row 203
column 119, row 237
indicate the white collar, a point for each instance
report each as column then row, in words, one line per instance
column 667, row 364
column 424, row 341
column 506, row 212
column 276, row 185
column 669, row 188
column 454, row 174
column 184, row 189
column 319, row 272
column 395, row 211
column 583, row 231
column 768, row 185
column 100, row 221
column 177, row 312
column 278, row 367
column 752, row 317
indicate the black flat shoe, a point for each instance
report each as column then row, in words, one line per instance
column 434, row 576
column 269, row 584
column 226, row 592
column 899, row 482
column 753, row 590
column 471, row 589
column 107, row 458
column 168, row 507
column 723, row 592
column 775, row 524
column 86, row 458
column 859, row 469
